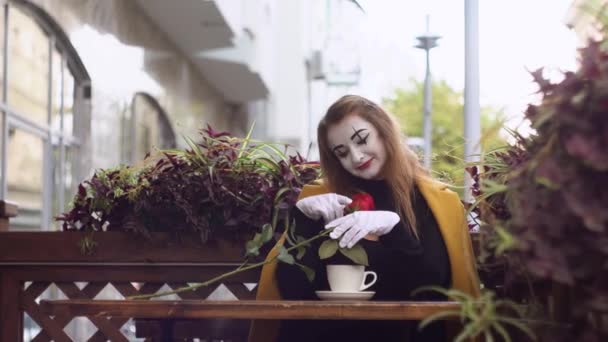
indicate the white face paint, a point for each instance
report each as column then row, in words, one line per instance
column 358, row 147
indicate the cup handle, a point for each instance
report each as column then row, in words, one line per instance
column 364, row 285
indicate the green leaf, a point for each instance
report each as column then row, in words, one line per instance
column 285, row 257
column 246, row 141
column 520, row 325
column 301, row 252
column 544, row 181
column 438, row 316
column 252, row 247
column 328, row 249
column 356, row 254
column 87, row 245
column 501, row 331
column 266, row 233
column 310, row 273
column 505, row 241
column 277, row 197
column 195, row 149
column 469, row 331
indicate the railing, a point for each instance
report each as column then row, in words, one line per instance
column 33, row 263
column 7, row 211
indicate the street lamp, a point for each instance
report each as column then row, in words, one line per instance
column 426, row 42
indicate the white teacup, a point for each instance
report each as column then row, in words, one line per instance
column 349, row 278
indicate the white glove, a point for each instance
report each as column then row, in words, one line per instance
column 356, row 225
column 327, row 206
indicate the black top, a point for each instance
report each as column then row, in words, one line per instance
column 402, row 263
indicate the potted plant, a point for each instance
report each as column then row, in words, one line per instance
column 220, row 188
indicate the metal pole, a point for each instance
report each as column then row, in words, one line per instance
column 427, row 42
column 428, row 144
column 472, row 125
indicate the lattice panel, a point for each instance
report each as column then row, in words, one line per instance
column 52, row 328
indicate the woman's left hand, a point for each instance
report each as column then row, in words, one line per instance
column 353, row 227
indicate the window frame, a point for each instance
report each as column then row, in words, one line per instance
column 129, row 125
column 59, row 43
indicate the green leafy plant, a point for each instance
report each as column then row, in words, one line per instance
column 486, row 316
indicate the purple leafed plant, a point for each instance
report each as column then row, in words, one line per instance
column 221, row 187
column 552, row 202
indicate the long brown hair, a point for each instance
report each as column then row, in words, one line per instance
column 401, row 169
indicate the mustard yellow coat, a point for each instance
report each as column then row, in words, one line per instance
column 450, row 215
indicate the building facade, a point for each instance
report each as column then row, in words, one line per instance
column 90, row 84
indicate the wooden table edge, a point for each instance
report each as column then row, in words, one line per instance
column 247, row 309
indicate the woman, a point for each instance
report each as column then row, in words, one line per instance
column 417, row 236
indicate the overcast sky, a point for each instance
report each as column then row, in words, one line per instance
column 513, row 35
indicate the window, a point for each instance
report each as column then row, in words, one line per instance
column 40, row 77
column 145, row 126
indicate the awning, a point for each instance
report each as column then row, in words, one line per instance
column 200, row 30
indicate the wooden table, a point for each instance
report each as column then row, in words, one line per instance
column 247, row 309
column 171, row 311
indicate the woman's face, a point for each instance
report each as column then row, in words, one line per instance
column 358, row 147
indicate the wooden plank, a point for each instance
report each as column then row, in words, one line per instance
column 247, row 309
column 11, row 317
column 104, row 325
column 50, row 328
column 8, row 209
column 125, row 273
column 117, row 322
column 115, row 247
column 195, row 294
column 240, row 291
column 207, row 329
column 126, row 289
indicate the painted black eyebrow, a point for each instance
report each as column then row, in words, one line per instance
column 357, row 133
column 337, row 147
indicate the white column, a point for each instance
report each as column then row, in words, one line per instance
column 472, row 123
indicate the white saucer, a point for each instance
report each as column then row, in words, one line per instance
column 332, row 295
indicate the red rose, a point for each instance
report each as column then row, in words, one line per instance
column 361, row 201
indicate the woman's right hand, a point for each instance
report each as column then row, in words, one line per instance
column 327, row 206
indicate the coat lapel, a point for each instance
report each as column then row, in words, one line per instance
column 449, row 213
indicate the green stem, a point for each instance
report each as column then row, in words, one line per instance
column 240, row 269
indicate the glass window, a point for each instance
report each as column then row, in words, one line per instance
column 68, row 100
column 64, row 182
column 24, row 176
column 28, row 70
column 144, row 129
column 147, row 132
column 39, row 84
column 69, row 174
column 56, row 90
column 1, row 49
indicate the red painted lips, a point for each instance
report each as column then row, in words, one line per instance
column 365, row 165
